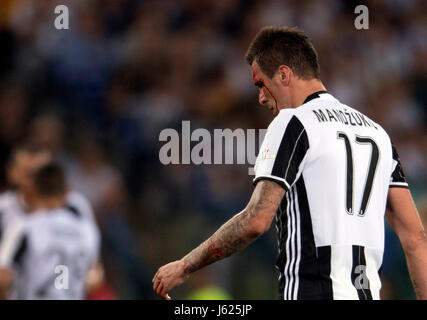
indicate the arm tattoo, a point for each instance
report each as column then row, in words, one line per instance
column 238, row 232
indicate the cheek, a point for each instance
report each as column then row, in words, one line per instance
column 267, row 93
column 261, row 96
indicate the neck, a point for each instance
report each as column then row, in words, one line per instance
column 27, row 200
column 302, row 89
column 49, row 203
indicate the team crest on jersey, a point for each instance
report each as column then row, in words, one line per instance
column 267, row 154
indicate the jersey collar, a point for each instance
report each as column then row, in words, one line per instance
column 314, row 96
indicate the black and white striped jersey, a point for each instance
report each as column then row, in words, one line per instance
column 336, row 166
column 51, row 253
column 26, row 241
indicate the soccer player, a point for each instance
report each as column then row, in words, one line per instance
column 24, row 160
column 54, row 248
column 18, row 203
column 328, row 174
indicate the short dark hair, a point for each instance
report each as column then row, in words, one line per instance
column 49, row 181
column 275, row 46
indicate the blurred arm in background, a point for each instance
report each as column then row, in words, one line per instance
column 235, row 235
column 6, row 280
column 403, row 217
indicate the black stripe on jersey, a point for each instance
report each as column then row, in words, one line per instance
column 398, row 175
column 324, row 272
column 315, row 265
column 359, row 277
column 20, row 252
column 313, row 96
column 291, row 152
column 282, row 234
column 306, row 276
column 74, row 211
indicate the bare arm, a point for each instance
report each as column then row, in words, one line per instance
column 235, row 235
column 6, row 279
column 403, row 217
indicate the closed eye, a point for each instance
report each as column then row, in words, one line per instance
column 259, row 84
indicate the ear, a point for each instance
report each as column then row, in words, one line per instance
column 285, row 74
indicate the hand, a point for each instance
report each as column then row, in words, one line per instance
column 168, row 277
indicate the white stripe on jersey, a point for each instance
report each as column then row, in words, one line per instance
column 293, row 249
column 293, row 242
column 298, row 228
column 288, row 255
column 10, row 241
column 401, row 184
column 373, row 263
column 341, row 265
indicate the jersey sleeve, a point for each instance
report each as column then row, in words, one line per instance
column 80, row 203
column 13, row 243
column 397, row 178
column 283, row 152
column 1, row 225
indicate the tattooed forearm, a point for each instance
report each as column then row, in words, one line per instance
column 241, row 230
column 417, row 290
column 231, row 237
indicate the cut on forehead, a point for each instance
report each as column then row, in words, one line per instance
column 257, row 73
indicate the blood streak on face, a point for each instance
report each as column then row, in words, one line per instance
column 265, row 97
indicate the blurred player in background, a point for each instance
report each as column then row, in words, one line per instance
column 24, row 160
column 53, row 241
column 328, row 174
column 17, row 203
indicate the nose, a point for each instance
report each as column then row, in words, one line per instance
column 262, row 99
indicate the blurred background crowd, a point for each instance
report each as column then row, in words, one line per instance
column 99, row 94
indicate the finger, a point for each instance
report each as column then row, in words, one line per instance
column 156, row 285
column 155, row 276
column 159, row 290
column 164, row 292
column 154, row 282
column 165, row 295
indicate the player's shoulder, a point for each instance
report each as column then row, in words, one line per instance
column 368, row 123
column 7, row 198
column 77, row 198
column 58, row 216
column 303, row 114
column 282, row 120
column 79, row 203
column 319, row 100
column 325, row 108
